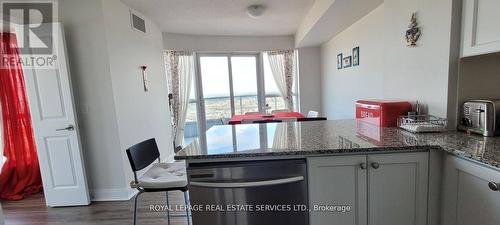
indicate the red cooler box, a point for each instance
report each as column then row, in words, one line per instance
column 383, row 113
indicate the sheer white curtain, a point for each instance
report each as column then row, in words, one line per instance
column 180, row 69
column 284, row 67
column 286, row 136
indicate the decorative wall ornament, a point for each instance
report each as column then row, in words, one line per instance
column 145, row 81
column 413, row 32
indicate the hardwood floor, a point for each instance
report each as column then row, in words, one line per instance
column 32, row 211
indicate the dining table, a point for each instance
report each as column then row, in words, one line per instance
column 237, row 119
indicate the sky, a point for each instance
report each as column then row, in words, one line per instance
column 215, row 76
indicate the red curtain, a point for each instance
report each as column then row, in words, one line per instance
column 20, row 175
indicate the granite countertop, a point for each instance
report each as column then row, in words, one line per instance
column 332, row 137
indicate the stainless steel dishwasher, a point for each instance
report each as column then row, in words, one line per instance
column 249, row 193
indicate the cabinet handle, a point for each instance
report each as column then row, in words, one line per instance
column 362, row 166
column 375, row 165
column 494, row 186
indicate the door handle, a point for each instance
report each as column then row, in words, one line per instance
column 375, row 165
column 69, row 127
column 248, row 184
column 494, row 186
column 362, row 166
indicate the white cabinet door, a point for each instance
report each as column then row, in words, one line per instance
column 337, row 181
column 468, row 199
column 480, row 27
column 397, row 189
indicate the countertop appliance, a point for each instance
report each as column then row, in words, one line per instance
column 273, row 192
column 383, row 113
column 481, row 117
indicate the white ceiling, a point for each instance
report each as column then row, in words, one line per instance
column 223, row 17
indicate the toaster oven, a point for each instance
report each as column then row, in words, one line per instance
column 481, row 117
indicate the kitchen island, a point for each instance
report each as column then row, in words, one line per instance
column 344, row 171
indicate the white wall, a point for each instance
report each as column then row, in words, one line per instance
column 390, row 70
column 140, row 115
column 90, row 72
column 310, row 79
column 479, row 78
column 226, row 43
column 105, row 55
column 327, row 18
column 341, row 88
column 314, row 14
column 420, row 73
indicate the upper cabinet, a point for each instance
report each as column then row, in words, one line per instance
column 480, row 27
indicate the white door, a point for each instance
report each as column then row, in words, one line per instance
column 397, row 189
column 56, row 131
column 338, row 181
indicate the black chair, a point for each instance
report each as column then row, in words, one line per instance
column 311, row 119
column 160, row 177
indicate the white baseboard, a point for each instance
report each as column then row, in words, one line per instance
column 110, row 194
column 1, row 216
column 132, row 193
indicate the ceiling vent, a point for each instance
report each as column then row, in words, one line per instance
column 138, row 23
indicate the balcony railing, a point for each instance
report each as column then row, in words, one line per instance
column 242, row 103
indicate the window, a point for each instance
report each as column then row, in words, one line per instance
column 229, row 84
column 245, row 88
column 191, row 128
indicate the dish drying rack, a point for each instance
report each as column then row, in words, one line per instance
column 422, row 123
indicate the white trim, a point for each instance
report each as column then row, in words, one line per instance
column 132, row 193
column 1, row 216
column 111, row 194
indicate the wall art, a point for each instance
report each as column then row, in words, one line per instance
column 355, row 56
column 339, row 61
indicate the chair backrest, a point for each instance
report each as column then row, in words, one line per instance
column 252, row 113
column 143, row 154
column 279, row 110
column 311, row 119
column 312, row 114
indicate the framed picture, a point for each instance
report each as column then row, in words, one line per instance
column 347, row 61
column 355, row 56
column 339, row 61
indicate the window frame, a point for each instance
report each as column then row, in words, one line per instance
column 261, row 92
